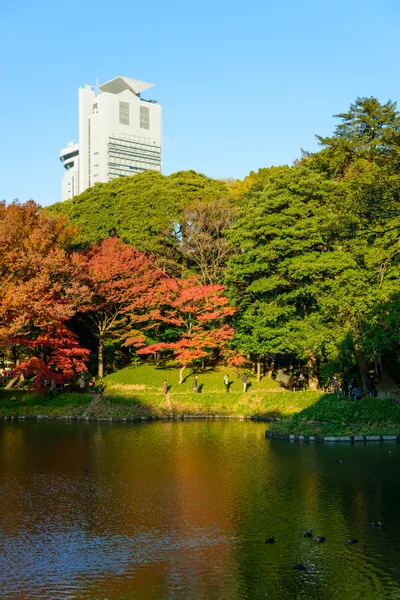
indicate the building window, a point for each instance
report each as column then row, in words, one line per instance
column 124, row 113
column 95, row 109
column 144, row 117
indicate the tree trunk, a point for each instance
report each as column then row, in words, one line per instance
column 11, row 382
column 387, row 383
column 15, row 356
column 181, row 373
column 258, row 370
column 312, row 377
column 101, row 367
column 271, row 367
column 363, row 368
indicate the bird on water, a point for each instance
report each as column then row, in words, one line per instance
column 308, row 533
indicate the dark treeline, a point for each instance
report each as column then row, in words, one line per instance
column 308, row 254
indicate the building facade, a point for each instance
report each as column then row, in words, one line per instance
column 119, row 135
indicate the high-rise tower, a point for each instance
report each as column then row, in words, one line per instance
column 119, row 135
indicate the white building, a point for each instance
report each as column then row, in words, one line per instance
column 119, row 135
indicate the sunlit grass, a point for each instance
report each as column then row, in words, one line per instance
column 150, row 378
column 143, row 386
column 341, row 417
column 138, row 391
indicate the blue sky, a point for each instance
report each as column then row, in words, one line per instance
column 243, row 85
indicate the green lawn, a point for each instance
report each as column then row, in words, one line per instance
column 138, row 391
column 142, row 387
column 150, row 379
column 15, row 403
column 332, row 416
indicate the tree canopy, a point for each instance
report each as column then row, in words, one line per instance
column 297, row 265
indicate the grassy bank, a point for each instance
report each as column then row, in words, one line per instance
column 138, row 392
column 332, row 417
column 268, row 404
column 141, row 389
column 21, row 403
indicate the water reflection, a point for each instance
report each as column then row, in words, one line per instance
column 181, row 511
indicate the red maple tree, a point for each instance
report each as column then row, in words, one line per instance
column 123, row 282
column 55, row 354
column 198, row 314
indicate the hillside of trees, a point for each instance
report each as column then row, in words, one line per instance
column 295, row 267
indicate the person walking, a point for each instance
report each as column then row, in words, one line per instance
column 345, row 387
column 195, row 385
column 301, row 382
column 335, row 386
column 81, row 383
column 92, row 384
column 165, row 387
column 372, row 386
column 244, row 382
column 226, row 383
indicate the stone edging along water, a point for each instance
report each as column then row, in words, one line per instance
column 129, row 419
column 271, row 435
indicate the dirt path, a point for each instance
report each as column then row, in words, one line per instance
column 168, row 401
column 96, row 406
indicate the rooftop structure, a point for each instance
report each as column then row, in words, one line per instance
column 119, row 135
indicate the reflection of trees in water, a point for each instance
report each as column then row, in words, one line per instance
column 302, row 487
column 33, row 453
column 187, row 506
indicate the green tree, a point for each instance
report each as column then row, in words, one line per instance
column 147, row 210
column 287, row 254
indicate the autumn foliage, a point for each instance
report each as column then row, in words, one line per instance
column 112, row 288
column 123, row 282
column 41, row 288
column 198, row 314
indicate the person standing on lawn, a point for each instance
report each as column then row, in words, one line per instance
column 244, row 382
column 301, row 382
column 82, row 384
column 226, row 383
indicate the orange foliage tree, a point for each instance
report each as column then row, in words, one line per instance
column 198, row 315
column 123, row 282
column 41, row 288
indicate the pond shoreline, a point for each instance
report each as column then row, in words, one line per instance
column 133, row 418
column 350, row 439
column 296, row 417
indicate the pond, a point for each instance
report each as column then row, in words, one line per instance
column 181, row 510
